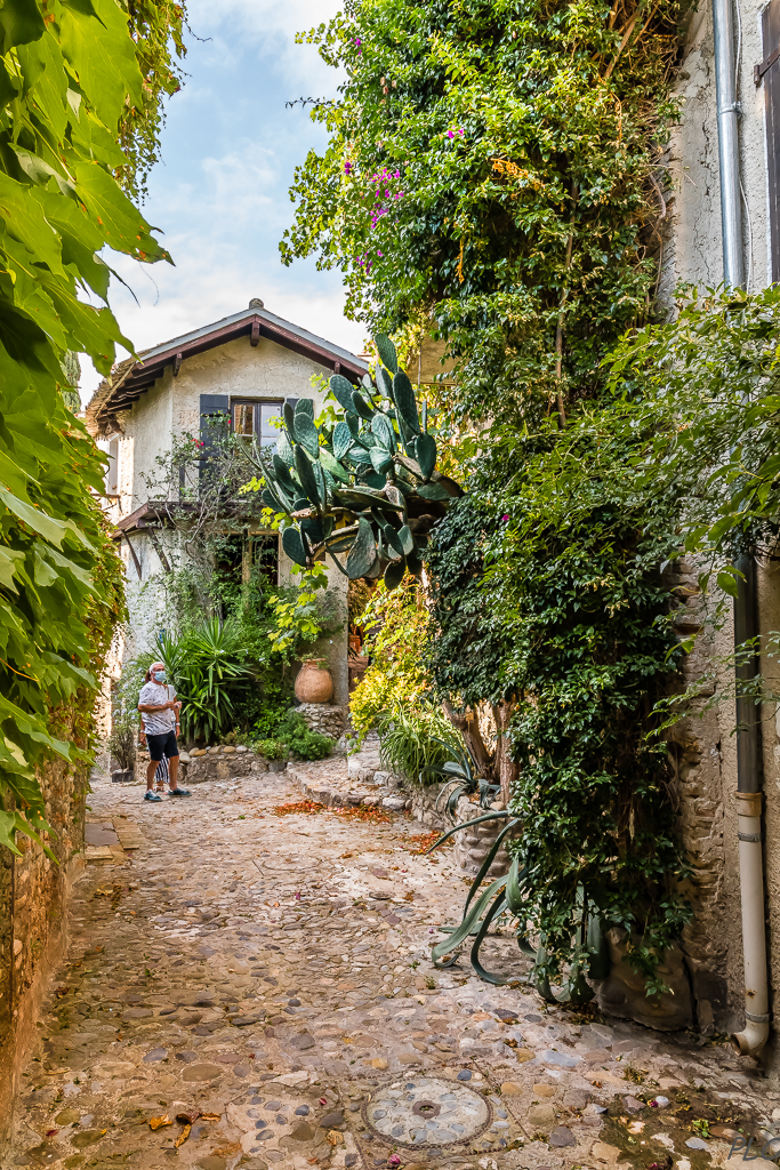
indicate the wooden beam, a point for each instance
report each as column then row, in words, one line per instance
column 177, row 364
column 254, row 336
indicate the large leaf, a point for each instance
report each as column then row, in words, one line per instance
column 362, row 555
column 386, row 351
column 405, row 400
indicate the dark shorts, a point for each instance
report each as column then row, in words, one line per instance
column 162, row 745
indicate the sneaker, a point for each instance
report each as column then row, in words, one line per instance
column 152, row 796
column 179, row 792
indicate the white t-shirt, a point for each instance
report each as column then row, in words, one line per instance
column 153, row 695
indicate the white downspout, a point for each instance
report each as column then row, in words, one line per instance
column 755, row 1034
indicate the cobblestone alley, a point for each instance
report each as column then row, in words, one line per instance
column 250, row 986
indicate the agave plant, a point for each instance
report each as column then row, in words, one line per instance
column 366, row 486
column 459, row 778
column 506, row 895
column 207, row 665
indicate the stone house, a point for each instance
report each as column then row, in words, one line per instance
column 242, row 369
column 721, row 223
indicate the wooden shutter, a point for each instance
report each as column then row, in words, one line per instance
column 211, row 407
column 768, row 73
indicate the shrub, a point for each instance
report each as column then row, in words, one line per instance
column 207, row 664
column 271, row 749
column 278, row 726
column 413, row 741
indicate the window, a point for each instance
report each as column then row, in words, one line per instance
column 257, row 420
column 112, row 471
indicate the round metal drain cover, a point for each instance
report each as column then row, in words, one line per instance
column 427, row 1111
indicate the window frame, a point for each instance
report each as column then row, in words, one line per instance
column 257, row 416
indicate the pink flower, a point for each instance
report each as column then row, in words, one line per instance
column 505, row 518
column 394, row 1160
column 347, row 168
column 450, row 133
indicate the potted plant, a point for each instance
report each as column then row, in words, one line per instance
column 121, row 745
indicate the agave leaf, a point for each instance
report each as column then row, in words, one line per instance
column 386, row 351
column 497, row 814
column 292, row 543
column 425, row 450
column 362, row 555
column 515, row 898
column 488, row 860
column 598, row 949
column 461, row 932
column 342, row 439
column 404, row 398
column 487, row 976
column 341, row 389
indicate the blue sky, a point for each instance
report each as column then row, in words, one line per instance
column 220, row 193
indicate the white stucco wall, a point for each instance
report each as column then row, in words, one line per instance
column 171, row 408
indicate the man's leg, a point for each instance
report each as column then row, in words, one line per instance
column 173, row 772
column 151, row 768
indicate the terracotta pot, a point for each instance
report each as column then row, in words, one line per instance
column 314, row 683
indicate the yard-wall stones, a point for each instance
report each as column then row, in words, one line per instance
column 220, row 762
column 34, row 892
column 326, row 718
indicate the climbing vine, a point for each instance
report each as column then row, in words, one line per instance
column 68, row 75
column 494, row 175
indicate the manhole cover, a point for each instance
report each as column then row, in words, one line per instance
column 427, row 1111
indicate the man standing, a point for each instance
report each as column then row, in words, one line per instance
column 160, row 714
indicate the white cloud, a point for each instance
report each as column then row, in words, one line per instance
column 271, row 26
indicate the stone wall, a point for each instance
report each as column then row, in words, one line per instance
column 221, row 762
column 326, row 718
column 34, row 892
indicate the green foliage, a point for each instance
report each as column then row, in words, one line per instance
column 271, row 749
column 297, row 619
column 157, row 28
column 280, row 732
column 492, row 173
column 712, row 376
column 415, row 741
column 68, row 73
column 396, row 623
column 574, row 629
column 207, row 665
column 364, row 485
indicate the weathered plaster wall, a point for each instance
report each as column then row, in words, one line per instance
column 172, row 408
column 34, row 894
column 706, row 744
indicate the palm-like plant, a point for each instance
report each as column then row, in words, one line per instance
column 207, row 666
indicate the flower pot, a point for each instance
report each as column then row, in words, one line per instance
column 314, row 683
column 123, row 776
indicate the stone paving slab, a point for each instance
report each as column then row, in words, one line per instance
column 252, row 988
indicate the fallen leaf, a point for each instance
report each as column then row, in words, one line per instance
column 323, row 1100
column 211, row 1116
column 334, row 1137
column 228, row 1149
column 159, row 1122
column 51, row 1132
column 181, row 1139
column 188, row 1118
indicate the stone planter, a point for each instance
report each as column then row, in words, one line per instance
column 123, row 776
column 623, row 992
column 473, row 845
column 314, row 683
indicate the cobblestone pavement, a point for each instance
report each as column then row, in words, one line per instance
column 248, row 989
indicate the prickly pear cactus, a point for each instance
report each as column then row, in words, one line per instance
column 365, row 490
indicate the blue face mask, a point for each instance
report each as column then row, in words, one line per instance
column 159, row 676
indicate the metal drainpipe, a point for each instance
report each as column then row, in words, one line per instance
column 754, row 1035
